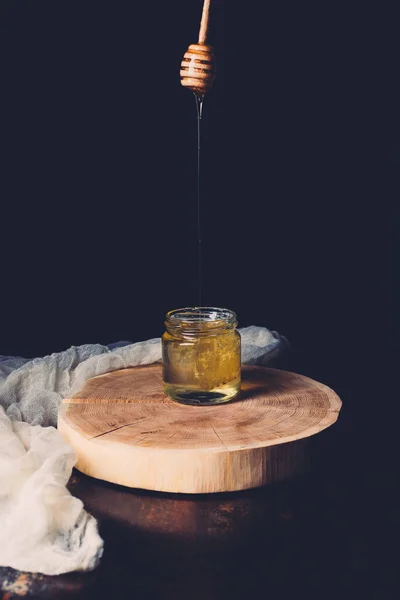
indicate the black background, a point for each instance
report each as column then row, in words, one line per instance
column 98, row 185
column 98, row 192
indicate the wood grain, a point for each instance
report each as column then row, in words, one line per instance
column 127, row 431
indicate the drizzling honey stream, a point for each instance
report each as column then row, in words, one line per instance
column 198, row 70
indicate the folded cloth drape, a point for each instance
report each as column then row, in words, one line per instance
column 43, row 527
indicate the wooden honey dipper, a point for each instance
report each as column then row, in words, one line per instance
column 198, row 64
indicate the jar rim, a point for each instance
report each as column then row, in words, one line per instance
column 191, row 317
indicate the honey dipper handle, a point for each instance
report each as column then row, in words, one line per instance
column 204, row 22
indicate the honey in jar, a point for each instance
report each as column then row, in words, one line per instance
column 201, row 355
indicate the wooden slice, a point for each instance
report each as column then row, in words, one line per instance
column 127, row 431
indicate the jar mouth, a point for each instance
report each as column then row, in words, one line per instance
column 200, row 319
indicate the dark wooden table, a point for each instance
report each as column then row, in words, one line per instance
column 315, row 537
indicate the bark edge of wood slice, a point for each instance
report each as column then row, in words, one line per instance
column 125, row 430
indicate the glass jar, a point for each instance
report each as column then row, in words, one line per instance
column 201, row 355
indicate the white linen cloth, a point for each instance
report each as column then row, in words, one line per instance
column 43, row 528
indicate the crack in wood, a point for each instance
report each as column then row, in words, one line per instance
column 218, row 436
column 156, row 375
column 120, row 427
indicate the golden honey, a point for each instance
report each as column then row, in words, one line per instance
column 201, row 355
